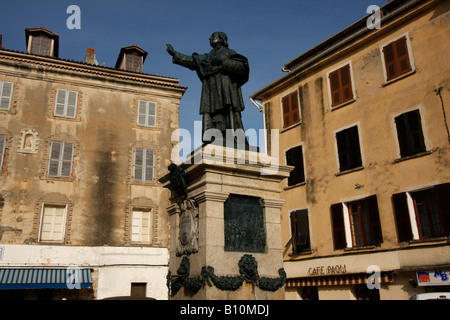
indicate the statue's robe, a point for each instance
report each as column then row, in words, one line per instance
column 221, row 101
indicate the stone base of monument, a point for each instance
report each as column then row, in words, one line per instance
column 225, row 234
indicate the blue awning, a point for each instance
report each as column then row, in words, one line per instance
column 37, row 278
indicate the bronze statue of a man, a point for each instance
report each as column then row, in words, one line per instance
column 222, row 72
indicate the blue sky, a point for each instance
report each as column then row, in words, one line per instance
column 268, row 32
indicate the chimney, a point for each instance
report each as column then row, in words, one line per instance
column 1, row 47
column 90, row 56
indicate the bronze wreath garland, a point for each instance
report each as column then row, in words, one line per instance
column 248, row 268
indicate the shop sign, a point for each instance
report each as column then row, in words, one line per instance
column 433, row 278
column 327, row 270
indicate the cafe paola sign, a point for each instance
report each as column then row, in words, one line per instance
column 327, row 270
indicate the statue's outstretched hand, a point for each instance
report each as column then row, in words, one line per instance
column 170, row 49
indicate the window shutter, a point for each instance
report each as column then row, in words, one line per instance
column 335, row 88
column 346, row 83
column 402, row 220
column 286, row 113
column 146, row 113
column 6, row 89
column 389, row 61
column 151, row 114
column 374, row 221
column 55, row 151
column 341, row 85
column 300, row 231
column 443, row 199
column 71, row 104
column 2, row 150
column 60, row 102
column 66, row 163
column 337, row 222
column 414, row 125
column 396, row 58
column 138, row 164
column 294, row 157
column 142, row 111
column 294, row 107
column 291, row 113
column 403, row 64
column 149, row 163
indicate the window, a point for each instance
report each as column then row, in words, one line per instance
column 349, row 151
column 53, row 223
column 423, row 214
column 300, row 231
column 2, row 150
column 291, row 112
column 133, row 62
column 341, row 89
column 397, row 60
column 294, row 157
column 138, row 290
column 146, row 113
column 141, row 229
column 66, row 103
column 61, row 158
column 409, row 133
column 6, row 90
column 356, row 223
column 144, row 165
column 40, row 45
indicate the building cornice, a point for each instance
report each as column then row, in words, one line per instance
column 341, row 41
column 92, row 70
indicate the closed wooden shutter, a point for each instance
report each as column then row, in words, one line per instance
column 396, row 58
column 337, row 223
column 61, row 158
column 402, row 220
column 66, row 103
column 291, row 113
column 144, row 162
column 146, row 113
column 6, row 89
column 341, row 86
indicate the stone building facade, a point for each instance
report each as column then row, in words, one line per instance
column 363, row 118
column 82, row 147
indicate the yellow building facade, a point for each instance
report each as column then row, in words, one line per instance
column 363, row 118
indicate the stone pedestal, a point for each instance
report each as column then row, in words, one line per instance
column 201, row 267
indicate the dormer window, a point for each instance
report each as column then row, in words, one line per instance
column 131, row 58
column 133, row 62
column 42, row 42
column 40, row 45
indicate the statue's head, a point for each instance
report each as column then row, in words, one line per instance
column 218, row 37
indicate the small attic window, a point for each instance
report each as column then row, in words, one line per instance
column 131, row 59
column 133, row 62
column 40, row 45
column 42, row 42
